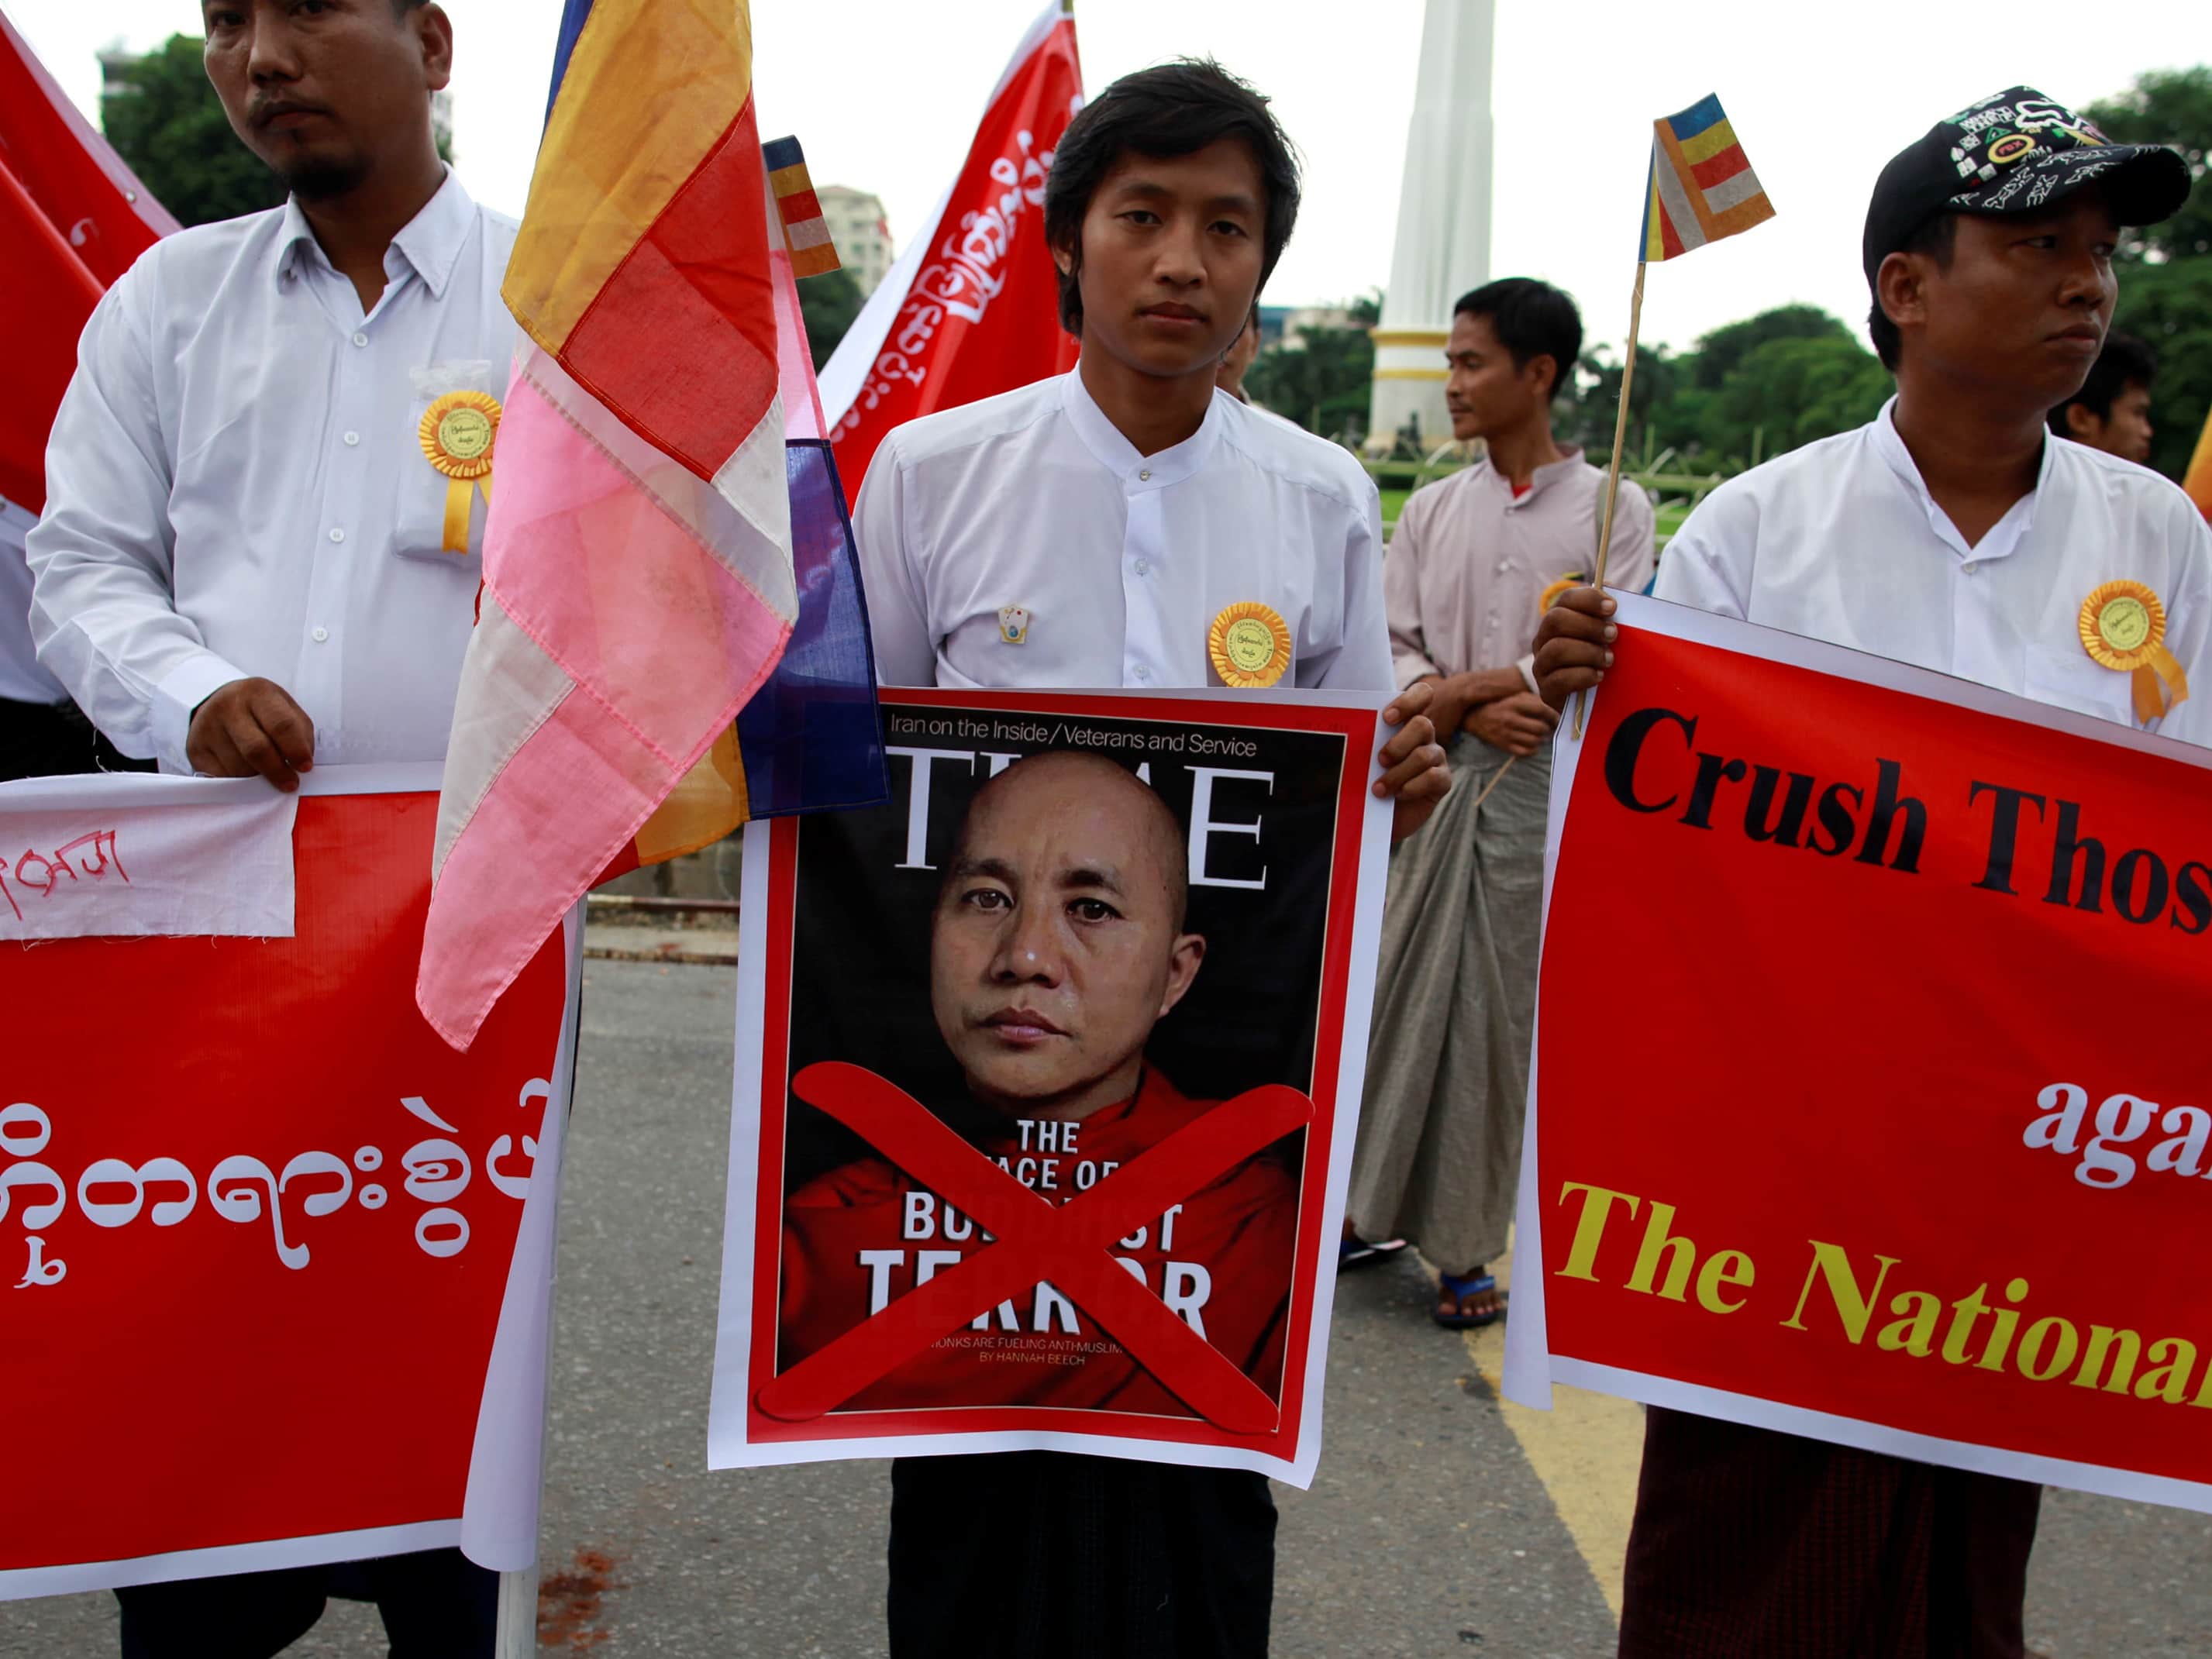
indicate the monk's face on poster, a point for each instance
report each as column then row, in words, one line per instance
column 1057, row 942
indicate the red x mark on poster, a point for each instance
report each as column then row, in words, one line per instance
column 1035, row 1239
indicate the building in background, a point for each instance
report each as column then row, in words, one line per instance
column 1442, row 246
column 862, row 236
column 1294, row 319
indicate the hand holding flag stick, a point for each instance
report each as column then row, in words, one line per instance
column 1700, row 188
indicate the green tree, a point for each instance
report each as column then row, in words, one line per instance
column 2166, row 270
column 1588, row 418
column 2172, row 108
column 2170, row 306
column 167, row 122
column 1325, row 380
column 1720, row 351
column 1790, row 390
column 1747, row 390
column 829, row 303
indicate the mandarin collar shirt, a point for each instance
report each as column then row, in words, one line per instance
column 1841, row 541
column 1023, row 541
column 237, row 487
column 1470, row 560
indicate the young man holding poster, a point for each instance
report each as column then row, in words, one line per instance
column 1127, row 525
column 249, row 562
column 1956, row 534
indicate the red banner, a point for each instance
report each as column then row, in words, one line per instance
column 991, row 1185
column 258, row 1218
column 1870, row 1100
column 72, row 218
column 972, row 308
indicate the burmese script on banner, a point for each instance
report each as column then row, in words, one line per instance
column 1047, row 1072
column 1871, row 1100
column 274, row 1259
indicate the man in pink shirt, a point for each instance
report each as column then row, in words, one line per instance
column 1439, row 1152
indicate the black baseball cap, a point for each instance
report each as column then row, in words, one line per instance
column 2016, row 152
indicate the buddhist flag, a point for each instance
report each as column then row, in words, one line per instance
column 805, row 233
column 972, row 307
column 1701, row 187
column 2197, row 481
column 667, row 546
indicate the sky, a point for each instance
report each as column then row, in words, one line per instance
column 885, row 94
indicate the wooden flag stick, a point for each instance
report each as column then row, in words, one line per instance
column 1612, row 467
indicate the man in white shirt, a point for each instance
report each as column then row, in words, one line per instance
column 1092, row 531
column 245, row 564
column 1955, row 532
column 41, row 731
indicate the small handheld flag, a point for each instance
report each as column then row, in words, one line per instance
column 1701, row 187
column 806, row 232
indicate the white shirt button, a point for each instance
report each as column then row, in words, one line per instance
column 1141, row 671
column 1969, row 567
column 1143, row 566
column 352, row 438
column 360, row 339
column 319, row 635
column 337, row 535
column 1145, row 475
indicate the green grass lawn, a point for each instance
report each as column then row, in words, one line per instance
column 1670, row 516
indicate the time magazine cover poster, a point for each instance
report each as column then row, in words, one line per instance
column 1047, row 1075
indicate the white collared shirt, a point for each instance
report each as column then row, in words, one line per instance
column 236, row 485
column 1841, row 541
column 1030, row 514
column 21, row 679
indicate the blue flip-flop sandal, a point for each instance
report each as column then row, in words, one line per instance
column 1459, row 1290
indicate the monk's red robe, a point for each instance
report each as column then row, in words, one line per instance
column 862, row 1235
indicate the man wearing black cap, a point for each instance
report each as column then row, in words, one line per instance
column 1948, row 533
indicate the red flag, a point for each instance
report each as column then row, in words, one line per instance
column 72, row 218
column 972, row 308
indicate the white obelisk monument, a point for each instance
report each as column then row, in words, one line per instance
column 1443, row 248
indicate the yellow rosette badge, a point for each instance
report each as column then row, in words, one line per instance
column 458, row 433
column 2123, row 628
column 1250, row 645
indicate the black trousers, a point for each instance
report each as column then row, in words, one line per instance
column 437, row 1604
column 1010, row 1555
column 48, row 739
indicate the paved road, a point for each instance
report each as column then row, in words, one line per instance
column 1443, row 1522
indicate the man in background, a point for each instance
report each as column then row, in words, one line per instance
column 1472, row 558
column 41, row 733
column 1237, row 362
column 2112, row 411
